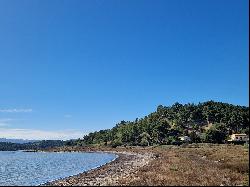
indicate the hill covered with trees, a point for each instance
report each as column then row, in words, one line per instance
column 21, row 141
column 9, row 146
column 210, row 122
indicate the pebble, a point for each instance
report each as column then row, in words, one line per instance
column 125, row 166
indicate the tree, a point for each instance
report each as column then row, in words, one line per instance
column 162, row 129
column 167, row 123
column 217, row 134
column 194, row 137
column 145, row 139
column 116, row 142
column 172, row 140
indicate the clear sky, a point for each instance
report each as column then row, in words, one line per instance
column 68, row 67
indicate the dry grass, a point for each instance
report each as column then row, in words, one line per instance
column 187, row 165
column 203, row 165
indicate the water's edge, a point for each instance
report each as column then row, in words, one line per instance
column 94, row 168
column 126, row 166
column 18, row 168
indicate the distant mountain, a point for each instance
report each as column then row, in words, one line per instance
column 20, row 141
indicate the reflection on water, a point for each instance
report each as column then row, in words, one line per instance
column 34, row 168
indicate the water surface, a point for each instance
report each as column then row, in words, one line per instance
column 34, row 168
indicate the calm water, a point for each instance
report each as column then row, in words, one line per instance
column 34, row 168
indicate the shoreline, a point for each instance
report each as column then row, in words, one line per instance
column 189, row 165
column 125, row 165
column 166, row 165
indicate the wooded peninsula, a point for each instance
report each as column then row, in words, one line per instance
column 207, row 122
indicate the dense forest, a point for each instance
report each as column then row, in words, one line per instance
column 8, row 146
column 210, row 122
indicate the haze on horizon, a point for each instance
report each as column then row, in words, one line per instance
column 68, row 68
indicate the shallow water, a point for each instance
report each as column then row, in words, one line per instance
column 34, row 168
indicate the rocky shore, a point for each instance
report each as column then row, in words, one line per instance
column 189, row 165
column 125, row 166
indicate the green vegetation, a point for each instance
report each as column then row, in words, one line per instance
column 210, row 122
column 7, row 146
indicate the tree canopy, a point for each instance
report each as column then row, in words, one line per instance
column 204, row 122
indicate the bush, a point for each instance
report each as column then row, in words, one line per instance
column 217, row 134
column 144, row 142
column 116, row 143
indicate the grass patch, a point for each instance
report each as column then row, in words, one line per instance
column 199, row 164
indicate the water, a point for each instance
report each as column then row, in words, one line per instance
column 19, row 168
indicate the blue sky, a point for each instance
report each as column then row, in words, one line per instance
column 68, row 67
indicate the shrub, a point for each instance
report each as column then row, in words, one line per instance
column 116, row 143
column 144, row 142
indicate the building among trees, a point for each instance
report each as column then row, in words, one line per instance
column 185, row 138
column 239, row 138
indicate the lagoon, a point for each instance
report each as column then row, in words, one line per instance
column 18, row 168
